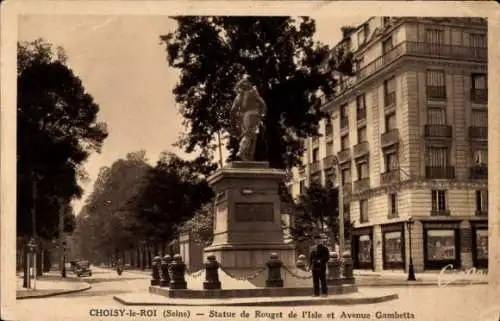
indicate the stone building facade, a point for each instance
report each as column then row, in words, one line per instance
column 409, row 135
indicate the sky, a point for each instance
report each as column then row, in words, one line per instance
column 122, row 64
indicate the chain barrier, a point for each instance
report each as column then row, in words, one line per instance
column 196, row 274
column 246, row 277
column 295, row 275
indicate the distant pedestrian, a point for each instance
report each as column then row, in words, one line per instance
column 318, row 260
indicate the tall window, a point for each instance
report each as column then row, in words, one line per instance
column 391, row 162
column 393, row 205
column 302, row 187
column 363, row 170
column 329, row 148
column 478, row 40
column 480, row 157
column 390, row 122
column 479, row 118
column 436, row 115
column 390, row 91
column 344, row 142
column 435, row 41
column 315, row 154
column 438, row 200
column 481, row 201
column 360, row 107
column 436, row 84
column 362, row 134
column 344, row 116
column 387, row 45
column 346, row 176
column 328, row 126
column 363, row 210
column 437, row 156
column 479, row 81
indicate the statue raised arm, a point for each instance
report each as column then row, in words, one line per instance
column 247, row 112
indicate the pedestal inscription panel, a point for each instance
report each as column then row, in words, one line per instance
column 254, row 212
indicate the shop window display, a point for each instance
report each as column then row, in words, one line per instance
column 365, row 246
column 441, row 245
column 393, row 247
column 482, row 244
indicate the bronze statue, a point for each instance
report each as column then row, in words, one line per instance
column 247, row 112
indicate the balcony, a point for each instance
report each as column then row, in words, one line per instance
column 441, row 172
column 481, row 212
column 438, row 131
column 390, row 177
column 478, row 133
column 479, row 96
column 361, row 114
column 328, row 162
column 440, row 213
column 361, row 185
column 478, row 172
column 361, row 149
column 328, row 131
column 315, row 167
column 302, row 170
column 315, row 141
column 344, row 155
column 422, row 50
column 390, row 99
column 389, row 138
column 347, row 189
column 436, row 92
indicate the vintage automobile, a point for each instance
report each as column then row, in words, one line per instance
column 83, row 268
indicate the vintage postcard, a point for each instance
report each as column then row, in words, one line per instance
column 185, row 160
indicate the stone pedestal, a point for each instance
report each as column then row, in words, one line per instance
column 247, row 224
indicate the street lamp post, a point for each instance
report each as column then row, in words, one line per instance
column 340, row 204
column 32, row 246
column 63, row 269
column 411, row 271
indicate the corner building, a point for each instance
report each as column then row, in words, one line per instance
column 409, row 135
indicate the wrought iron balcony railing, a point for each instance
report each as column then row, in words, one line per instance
column 362, row 184
column 389, row 138
column 315, row 167
column 478, row 132
column 361, row 149
column 438, row 131
column 479, row 95
column 440, row 172
column 478, row 172
column 436, row 92
column 390, row 177
column 344, row 155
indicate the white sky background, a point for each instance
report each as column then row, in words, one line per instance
column 123, row 66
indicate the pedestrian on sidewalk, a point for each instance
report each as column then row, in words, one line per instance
column 318, row 260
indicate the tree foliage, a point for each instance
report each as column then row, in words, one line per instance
column 57, row 131
column 175, row 190
column 200, row 226
column 278, row 54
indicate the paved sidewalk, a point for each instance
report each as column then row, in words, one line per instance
column 431, row 278
column 51, row 284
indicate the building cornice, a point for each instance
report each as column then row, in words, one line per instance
column 422, row 183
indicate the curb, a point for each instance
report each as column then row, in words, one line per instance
column 419, row 284
column 41, row 296
column 293, row 302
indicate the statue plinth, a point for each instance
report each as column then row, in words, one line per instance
column 247, row 220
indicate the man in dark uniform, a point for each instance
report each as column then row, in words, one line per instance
column 318, row 260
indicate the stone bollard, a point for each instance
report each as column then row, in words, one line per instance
column 155, row 270
column 348, row 266
column 165, row 275
column 177, row 271
column 334, row 266
column 211, row 274
column 301, row 262
column 274, row 265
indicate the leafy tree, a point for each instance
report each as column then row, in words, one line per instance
column 175, row 190
column 200, row 226
column 57, row 131
column 105, row 227
column 278, row 54
column 317, row 210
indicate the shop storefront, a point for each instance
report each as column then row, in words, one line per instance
column 393, row 246
column 441, row 245
column 362, row 248
column 480, row 244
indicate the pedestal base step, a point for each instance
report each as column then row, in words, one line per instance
column 247, row 293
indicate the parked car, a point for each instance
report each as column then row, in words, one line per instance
column 83, row 268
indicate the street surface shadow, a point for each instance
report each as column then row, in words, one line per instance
column 102, row 280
